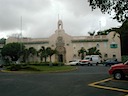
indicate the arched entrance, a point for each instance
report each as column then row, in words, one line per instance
column 61, row 51
column 60, row 58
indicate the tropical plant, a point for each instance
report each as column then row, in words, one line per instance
column 82, row 52
column 43, row 53
column 93, row 51
column 13, row 51
column 2, row 41
column 104, row 32
column 25, row 55
column 91, row 33
column 50, row 52
column 32, row 51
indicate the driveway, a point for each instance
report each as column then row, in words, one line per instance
column 73, row 83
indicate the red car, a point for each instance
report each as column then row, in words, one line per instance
column 119, row 71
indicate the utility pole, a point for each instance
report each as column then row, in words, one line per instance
column 20, row 36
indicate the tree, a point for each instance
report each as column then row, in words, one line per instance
column 82, row 52
column 120, row 7
column 104, row 32
column 2, row 41
column 43, row 53
column 123, row 32
column 32, row 51
column 50, row 52
column 91, row 33
column 25, row 55
column 93, row 51
column 13, row 50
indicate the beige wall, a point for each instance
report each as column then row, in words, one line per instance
column 73, row 47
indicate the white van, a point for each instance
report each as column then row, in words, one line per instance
column 91, row 59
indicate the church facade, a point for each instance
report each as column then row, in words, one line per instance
column 68, row 46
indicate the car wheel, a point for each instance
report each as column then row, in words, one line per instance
column 118, row 75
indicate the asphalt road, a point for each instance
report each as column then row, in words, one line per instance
column 73, row 83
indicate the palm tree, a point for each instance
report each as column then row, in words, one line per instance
column 82, row 52
column 50, row 52
column 93, row 51
column 25, row 55
column 43, row 53
column 91, row 33
column 32, row 52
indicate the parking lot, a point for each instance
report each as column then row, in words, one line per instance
column 86, row 81
column 111, row 84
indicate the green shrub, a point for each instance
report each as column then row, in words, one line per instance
column 29, row 68
column 124, row 58
column 14, row 67
column 21, row 67
column 58, row 64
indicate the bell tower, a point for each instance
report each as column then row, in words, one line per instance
column 60, row 43
column 60, row 24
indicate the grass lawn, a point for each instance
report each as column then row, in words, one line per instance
column 54, row 68
column 45, row 69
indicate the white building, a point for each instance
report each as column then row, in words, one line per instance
column 68, row 46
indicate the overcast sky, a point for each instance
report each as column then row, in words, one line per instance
column 39, row 18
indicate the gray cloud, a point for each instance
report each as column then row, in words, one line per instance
column 39, row 17
column 12, row 10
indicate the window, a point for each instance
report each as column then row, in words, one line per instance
column 113, row 46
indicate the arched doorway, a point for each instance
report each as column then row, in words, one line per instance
column 60, row 58
column 61, row 51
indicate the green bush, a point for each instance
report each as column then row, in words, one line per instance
column 124, row 58
column 21, row 67
column 29, row 68
column 49, row 64
column 58, row 64
column 14, row 67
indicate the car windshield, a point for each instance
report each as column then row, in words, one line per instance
column 87, row 58
column 108, row 60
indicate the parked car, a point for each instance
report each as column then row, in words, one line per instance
column 119, row 71
column 74, row 62
column 94, row 59
column 84, row 62
column 91, row 59
column 110, row 62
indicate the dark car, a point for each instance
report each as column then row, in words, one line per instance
column 110, row 62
